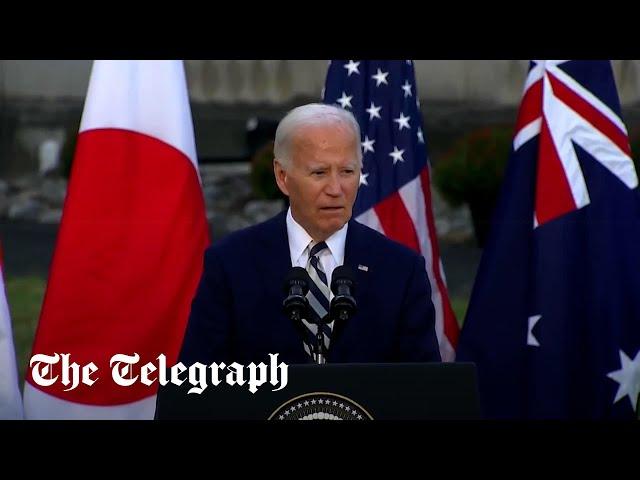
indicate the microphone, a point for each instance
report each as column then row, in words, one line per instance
column 296, row 286
column 343, row 305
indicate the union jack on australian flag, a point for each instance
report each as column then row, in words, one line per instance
column 395, row 191
column 554, row 318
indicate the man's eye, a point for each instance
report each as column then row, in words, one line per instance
column 317, row 172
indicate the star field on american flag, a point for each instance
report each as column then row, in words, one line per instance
column 394, row 196
column 394, row 151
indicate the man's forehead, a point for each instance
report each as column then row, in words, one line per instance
column 312, row 132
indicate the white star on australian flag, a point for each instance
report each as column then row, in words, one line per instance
column 628, row 378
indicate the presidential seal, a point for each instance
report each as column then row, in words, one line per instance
column 320, row 406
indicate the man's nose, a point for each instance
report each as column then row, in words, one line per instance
column 333, row 186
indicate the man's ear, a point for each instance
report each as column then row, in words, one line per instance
column 281, row 176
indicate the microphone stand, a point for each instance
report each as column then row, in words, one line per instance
column 320, row 358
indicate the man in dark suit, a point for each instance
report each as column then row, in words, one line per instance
column 237, row 313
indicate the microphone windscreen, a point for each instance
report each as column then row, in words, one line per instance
column 342, row 274
column 299, row 276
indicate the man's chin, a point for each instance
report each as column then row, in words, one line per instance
column 330, row 228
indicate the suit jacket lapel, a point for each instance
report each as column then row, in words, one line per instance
column 273, row 261
column 356, row 255
column 272, row 257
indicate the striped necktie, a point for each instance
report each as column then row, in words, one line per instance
column 319, row 297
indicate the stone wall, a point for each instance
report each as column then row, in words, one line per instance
column 280, row 81
column 41, row 105
column 229, row 199
column 41, row 101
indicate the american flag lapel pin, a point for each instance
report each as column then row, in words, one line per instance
column 364, row 268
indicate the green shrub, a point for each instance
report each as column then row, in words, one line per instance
column 634, row 140
column 471, row 172
column 263, row 180
column 68, row 150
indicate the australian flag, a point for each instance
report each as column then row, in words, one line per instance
column 554, row 318
column 395, row 189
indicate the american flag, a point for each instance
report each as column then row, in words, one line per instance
column 395, row 188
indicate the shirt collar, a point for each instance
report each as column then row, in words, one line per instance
column 299, row 240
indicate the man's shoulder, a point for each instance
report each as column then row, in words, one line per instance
column 381, row 244
column 245, row 239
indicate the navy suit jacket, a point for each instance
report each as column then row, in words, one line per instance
column 237, row 315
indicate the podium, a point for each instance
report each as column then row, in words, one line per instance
column 372, row 391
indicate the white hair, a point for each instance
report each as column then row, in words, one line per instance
column 311, row 114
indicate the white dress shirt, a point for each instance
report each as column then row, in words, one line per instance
column 329, row 258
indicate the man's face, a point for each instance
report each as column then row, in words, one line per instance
column 323, row 178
